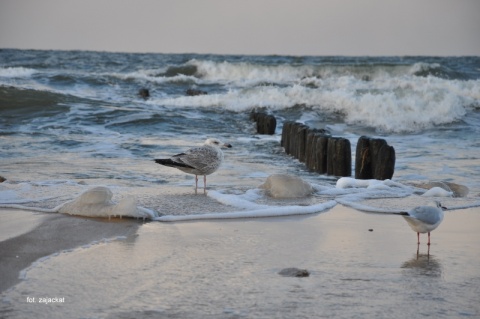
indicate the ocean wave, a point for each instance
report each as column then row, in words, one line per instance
column 396, row 96
column 16, row 72
column 248, row 72
column 407, row 104
column 395, row 104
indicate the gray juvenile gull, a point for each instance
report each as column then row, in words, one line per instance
column 203, row 160
column 424, row 219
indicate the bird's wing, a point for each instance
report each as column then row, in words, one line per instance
column 173, row 162
column 198, row 157
column 426, row 214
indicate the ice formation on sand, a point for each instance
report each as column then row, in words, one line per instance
column 286, row 186
column 437, row 192
column 97, row 202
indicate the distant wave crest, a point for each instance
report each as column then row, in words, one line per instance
column 16, row 72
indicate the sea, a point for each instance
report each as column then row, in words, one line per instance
column 71, row 121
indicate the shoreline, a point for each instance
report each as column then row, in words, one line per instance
column 43, row 234
column 52, row 233
column 227, row 267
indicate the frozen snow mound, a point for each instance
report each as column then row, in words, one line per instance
column 97, row 202
column 286, row 186
column 437, row 192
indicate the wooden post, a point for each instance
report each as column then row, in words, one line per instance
column 339, row 157
column 310, row 150
column 266, row 123
column 285, row 142
column 321, row 147
column 270, row 124
column 301, row 142
column 292, row 141
column 385, row 165
column 363, row 162
column 375, row 159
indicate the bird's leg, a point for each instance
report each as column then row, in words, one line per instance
column 196, row 184
column 205, row 184
column 418, row 238
column 428, row 239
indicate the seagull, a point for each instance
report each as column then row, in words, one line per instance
column 424, row 219
column 203, row 160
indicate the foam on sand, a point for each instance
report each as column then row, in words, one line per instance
column 166, row 203
column 274, row 211
column 286, row 186
column 97, row 202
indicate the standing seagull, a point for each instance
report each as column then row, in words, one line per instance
column 424, row 219
column 203, row 160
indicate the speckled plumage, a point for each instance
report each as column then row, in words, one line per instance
column 203, row 160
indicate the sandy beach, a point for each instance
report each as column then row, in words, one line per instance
column 28, row 236
column 360, row 265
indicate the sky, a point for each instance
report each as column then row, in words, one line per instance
column 260, row 27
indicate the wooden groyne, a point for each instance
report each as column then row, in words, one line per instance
column 266, row 123
column 325, row 154
column 321, row 152
column 374, row 159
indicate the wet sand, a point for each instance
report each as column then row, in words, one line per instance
column 27, row 236
column 360, row 264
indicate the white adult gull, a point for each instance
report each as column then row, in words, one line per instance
column 424, row 219
column 203, row 160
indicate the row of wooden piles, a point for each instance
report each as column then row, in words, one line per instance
column 325, row 154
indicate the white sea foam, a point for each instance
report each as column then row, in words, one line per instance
column 405, row 104
column 367, row 195
column 394, row 99
column 273, row 211
column 16, row 72
column 94, row 202
column 243, row 201
column 247, row 73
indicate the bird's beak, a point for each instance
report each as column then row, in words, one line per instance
column 226, row 145
column 444, row 208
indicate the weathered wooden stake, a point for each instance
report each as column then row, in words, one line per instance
column 301, row 142
column 310, row 150
column 339, row 157
column 363, row 162
column 374, row 159
column 266, row 123
column 385, row 165
column 321, row 147
column 285, row 142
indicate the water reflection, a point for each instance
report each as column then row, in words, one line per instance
column 424, row 264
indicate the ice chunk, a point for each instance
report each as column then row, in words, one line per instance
column 437, row 192
column 286, row 186
column 97, row 202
